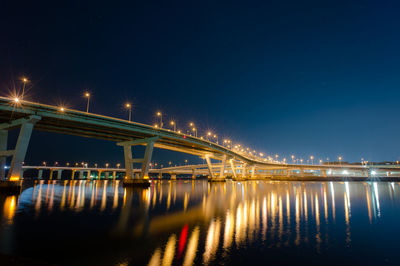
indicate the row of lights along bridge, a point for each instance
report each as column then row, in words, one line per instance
column 191, row 130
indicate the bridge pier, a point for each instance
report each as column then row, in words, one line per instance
column 12, row 181
column 18, row 154
column 114, row 175
column 221, row 177
column 40, row 174
column 253, row 169
column 323, row 173
column 193, row 173
column 80, row 174
column 89, row 172
column 143, row 179
column 73, row 174
column 173, row 176
column 233, row 168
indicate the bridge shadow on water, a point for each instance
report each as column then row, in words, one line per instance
column 83, row 222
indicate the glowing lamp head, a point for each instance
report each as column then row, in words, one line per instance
column 128, row 105
column 87, row 94
column 16, row 100
column 158, row 113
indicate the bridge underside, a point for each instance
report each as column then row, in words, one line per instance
column 127, row 134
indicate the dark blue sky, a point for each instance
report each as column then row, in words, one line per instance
column 289, row 77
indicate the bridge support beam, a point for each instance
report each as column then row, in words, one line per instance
column 253, row 170
column 233, row 168
column 18, row 154
column 209, row 166
column 221, row 177
column 40, row 174
column 323, row 173
column 193, row 173
column 3, row 148
column 143, row 179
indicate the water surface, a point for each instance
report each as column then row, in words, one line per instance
column 193, row 222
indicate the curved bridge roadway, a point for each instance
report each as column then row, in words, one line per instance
column 30, row 115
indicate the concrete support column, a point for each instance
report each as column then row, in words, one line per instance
column 40, row 174
column 114, row 175
column 51, row 174
column 88, row 174
column 233, row 168
column 20, row 149
column 99, row 174
column 80, row 174
column 194, row 173
column 288, row 172
column 59, row 174
column 128, row 161
column 106, row 175
column 253, row 169
column 3, row 147
column 323, row 173
column 146, row 160
column 301, row 172
column 222, row 172
column 73, row 174
column 160, row 175
column 244, row 170
column 173, row 176
column 209, row 165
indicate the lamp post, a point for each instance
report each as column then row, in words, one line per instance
column 129, row 106
column 312, row 159
column 87, row 95
column 173, row 124
column 24, row 81
column 195, row 131
column 160, row 115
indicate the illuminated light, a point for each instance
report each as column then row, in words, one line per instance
column 345, row 172
column 158, row 113
column 14, row 178
column 16, row 100
column 87, row 94
column 192, row 247
column 184, row 137
column 128, row 105
column 373, row 172
column 169, row 251
column 62, row 109
column 182, row 240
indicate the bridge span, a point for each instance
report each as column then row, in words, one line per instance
column 232, row 162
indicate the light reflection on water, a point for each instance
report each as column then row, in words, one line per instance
column 187, row 222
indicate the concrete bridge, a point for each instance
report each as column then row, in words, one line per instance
column 15, row 113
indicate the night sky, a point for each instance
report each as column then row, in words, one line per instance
column 283, row 77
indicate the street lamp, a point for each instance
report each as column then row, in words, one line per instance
column 292, row 158
column 195, row 131
column 312, row 159
column 87, row 95
column 208, row 135
column 340, row 160
column 160, row 115
column 24, row 81
column 216, row 137
column 129, row 106
column 173, row 124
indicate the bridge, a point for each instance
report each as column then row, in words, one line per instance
column 27, row 116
